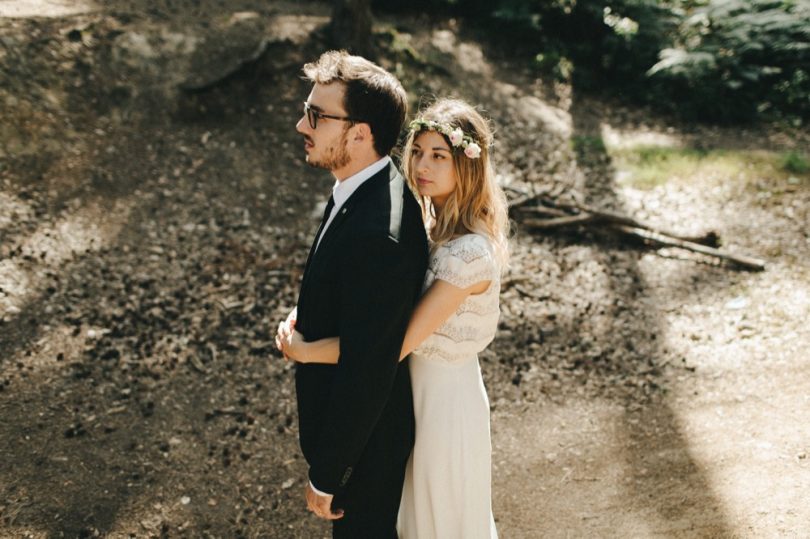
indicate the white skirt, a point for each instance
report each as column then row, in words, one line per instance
column 447, row 492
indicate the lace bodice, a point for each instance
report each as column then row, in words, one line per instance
column 462, row 262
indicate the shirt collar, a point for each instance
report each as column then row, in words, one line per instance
column 343, row 190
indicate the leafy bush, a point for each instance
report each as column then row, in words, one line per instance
column 738, row 58
column 715, row 60
column 796, row 163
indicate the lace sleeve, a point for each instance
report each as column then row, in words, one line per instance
column 469, row 260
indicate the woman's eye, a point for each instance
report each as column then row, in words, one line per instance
column 438, row 156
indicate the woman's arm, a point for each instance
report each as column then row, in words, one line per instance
column 321, row 351
column 438, row 304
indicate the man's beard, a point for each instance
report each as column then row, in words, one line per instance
column 337, row 156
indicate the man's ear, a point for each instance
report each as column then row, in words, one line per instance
column 362, row 132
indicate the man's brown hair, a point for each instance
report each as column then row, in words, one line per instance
column 373, row 95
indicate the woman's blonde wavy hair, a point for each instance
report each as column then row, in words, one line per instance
column 477, row 204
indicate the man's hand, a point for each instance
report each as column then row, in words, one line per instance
column 321, row 505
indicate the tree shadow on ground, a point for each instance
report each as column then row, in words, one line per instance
column 137, row 394
column 71, row 460
column 99, row 430
column 685, row 475
column 614, row 342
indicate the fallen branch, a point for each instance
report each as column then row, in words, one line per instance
column 559, row 221
column 562, row 218
column 666, row 241
column 711, row 238
column 563, row 214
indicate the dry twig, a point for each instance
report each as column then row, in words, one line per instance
column 560, row 214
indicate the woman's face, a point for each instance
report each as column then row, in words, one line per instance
column 432, row 167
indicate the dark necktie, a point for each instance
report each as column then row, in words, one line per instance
column 328, row 210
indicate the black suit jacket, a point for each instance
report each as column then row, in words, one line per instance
column 361, row 285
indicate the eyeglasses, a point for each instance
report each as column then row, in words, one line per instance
column 313, row 115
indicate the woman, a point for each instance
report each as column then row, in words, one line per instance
column 447, row 492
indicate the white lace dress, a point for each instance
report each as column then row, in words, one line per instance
column 447, row 492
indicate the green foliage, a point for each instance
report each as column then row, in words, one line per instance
column 559, row 66
column 588, row 144
column 650, row 166
column 737, row 58
column 796, row 163
column 591, row 42
column 713, row 60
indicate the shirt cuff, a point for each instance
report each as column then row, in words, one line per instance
column 318, row 492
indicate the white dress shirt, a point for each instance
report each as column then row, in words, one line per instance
column 341, row 193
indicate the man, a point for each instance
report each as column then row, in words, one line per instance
column 362, row 279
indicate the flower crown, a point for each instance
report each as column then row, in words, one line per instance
column 454, row 134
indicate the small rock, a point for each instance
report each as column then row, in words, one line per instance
column 740, row 302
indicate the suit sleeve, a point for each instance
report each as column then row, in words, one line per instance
column 378, row 291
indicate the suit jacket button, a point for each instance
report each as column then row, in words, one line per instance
column 346, row 476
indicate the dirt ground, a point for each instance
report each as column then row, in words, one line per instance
column 155, row 213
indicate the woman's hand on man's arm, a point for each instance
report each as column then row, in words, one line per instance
column 292, row 344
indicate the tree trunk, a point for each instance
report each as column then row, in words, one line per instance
column 350, row 28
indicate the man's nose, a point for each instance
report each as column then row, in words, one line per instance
column 302, row 125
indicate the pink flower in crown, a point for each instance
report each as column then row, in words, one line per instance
column 473, row 150
column 456, row 136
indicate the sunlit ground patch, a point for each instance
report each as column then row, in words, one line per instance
column 53, row 244
column 44, row 8
column 645, row 167
column 468, row 55
column 617, row 138
column 747, row 440
column 596, row 469
column 25, row 532
column 12, row 209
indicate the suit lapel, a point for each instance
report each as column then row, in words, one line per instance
column 342, row 213
column 348, row 207
column 381, row 180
